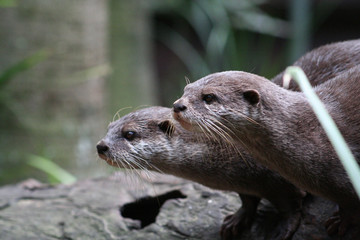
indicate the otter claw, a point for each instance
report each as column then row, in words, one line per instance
column 287, row 227
column 336, row 224
column 233, row 224
column 332, row 225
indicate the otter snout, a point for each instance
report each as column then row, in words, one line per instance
column 102, row 148
column 179, row 106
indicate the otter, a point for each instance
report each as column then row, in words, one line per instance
column 325, row 62
column 279, row 129
column 320, row 62
column 149, row 139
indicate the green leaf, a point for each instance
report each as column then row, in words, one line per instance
column 54, row 171
column 185, row 51
column 22, row 66
column 331, row 130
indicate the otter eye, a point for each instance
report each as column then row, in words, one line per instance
column 129, row 135
column 209, row 98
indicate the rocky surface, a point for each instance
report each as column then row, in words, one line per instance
column 181, row 210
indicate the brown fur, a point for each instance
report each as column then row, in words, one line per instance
column 199, row 158
column 217, row 166
column 279, row 128
column 326, row 62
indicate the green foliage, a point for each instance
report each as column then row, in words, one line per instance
column 8, row 3
column 221, row 46
column 22, row 66
column 55, row 173
column 8, row 113
column 333, row 133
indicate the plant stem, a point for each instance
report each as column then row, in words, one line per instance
column 328, row 124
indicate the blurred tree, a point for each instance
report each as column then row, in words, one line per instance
column 301, row 16
column 132, row 81
column 60, row 102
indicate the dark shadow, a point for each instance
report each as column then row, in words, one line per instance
column 147, row 208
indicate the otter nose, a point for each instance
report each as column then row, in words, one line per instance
column 179, row 107
column 102, row 147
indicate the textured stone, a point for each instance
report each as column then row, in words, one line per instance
column 90, row 210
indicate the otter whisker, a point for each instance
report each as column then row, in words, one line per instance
column 134, row 166
column 208, row 130
column 205, row 130
column 137, row 157
column 150, row 165
column 120, row 159
column 123, row 159
column 118, row 112
column 215, row 132
column 141, row 106
column 247, row 118
column 187, row 80
column 202, row 137
column 227, row 131
column 117, row 163
column 140, row 159
column 219, row 131
column 234, row 136
column 137, row 166
column 217, row 126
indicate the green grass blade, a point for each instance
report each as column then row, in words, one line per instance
column 22, row 66
column 333, row 133
column 53, row 170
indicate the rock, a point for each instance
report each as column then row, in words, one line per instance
column 181, row 210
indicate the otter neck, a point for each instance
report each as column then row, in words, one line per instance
column 282, row 118
column 196, row 158
column 182, row 161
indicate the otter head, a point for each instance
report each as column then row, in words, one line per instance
column 138, row 140
column 216, row 102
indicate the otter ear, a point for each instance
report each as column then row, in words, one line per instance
column 252, row 96
column 167, row 127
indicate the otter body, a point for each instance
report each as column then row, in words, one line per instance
column 280, row 130
column 209, row 162
column 148, row 139
column 326, row 62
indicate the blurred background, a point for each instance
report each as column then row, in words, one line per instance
column 66, row 67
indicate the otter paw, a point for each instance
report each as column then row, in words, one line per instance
column 287, row 227
column 341, row 221
column 338, row 223
column 234, row 223
column 332, row 224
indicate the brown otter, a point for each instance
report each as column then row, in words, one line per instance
column 321, row 57
column 326, row 62
column 148, row 139
column 280, row 130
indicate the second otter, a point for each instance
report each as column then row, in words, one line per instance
column 148, row 139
